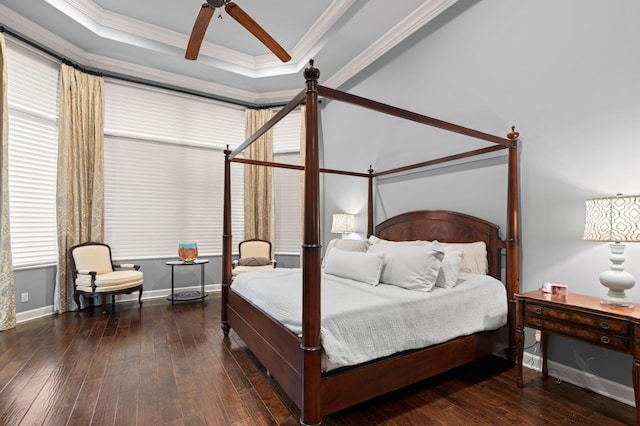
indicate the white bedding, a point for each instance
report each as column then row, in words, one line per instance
column 361, row 322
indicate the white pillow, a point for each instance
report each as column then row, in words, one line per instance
column 450, row 268
column 410, row 266
column 474, row 256
column 346, row 245
column 375, row 240
column 359, row 266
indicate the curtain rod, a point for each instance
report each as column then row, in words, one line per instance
column 132, row 79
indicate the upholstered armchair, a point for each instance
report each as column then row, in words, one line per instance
column 253, row 255
column 95, row 274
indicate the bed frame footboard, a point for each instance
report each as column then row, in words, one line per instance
column 275, row 346
column 279, row 352
column 352, row 386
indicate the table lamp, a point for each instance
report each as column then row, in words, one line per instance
column 343, row 223
column 614, row 219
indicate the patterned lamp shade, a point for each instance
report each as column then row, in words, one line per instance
column 613, row 219
column 343, row 223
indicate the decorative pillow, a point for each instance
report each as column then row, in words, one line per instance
column 474, row 256
column 450, row 268
column 375, row 240
column 360, row 266
column 254, row 261
column 345, row 245
column 410, row 266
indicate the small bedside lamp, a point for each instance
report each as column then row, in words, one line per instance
column 614, row 219
column 343, row 223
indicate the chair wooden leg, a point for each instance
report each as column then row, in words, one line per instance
column 76, row 297
column 103, row 298
column 140, row 297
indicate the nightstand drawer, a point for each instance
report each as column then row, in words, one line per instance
column 584, row 334
column 606, row 325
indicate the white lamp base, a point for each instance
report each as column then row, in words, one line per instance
column 615, row 298
column 617, row 280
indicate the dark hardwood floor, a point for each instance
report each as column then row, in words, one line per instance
column 169, row 365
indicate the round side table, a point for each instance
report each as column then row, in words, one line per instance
column 184, row 296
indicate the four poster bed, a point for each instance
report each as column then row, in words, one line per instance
column 296, row 359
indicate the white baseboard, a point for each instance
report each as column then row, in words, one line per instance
column 34, row 314
column 582, row 379
column 146, row 295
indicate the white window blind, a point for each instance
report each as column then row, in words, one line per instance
column 143, row 112
column 286, row 134
column 287, row 207
column 32, row 96
column 164, row 171
column 287, row 210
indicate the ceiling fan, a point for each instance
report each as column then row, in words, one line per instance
column 204, row 18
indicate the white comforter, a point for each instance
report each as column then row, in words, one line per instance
column 361, row 322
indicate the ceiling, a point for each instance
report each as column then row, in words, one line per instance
column 147, row 39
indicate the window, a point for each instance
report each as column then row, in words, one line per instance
column 164, row 171
column 33, row 143
column 163, row 167
column 287, row 209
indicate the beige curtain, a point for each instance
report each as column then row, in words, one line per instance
column 80, row 192
column 257, row 179
column 7, row 292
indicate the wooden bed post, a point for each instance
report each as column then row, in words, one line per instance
column 311, row 273
column 226, row 242
column 370, row 204
column 513, row 238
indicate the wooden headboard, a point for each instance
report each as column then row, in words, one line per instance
column 445, row 226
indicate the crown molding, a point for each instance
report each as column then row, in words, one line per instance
column 170, row 40
column 131, row 31
column 143, row 73
column 39, row 35
column 423, row 14
column 320, row 28
column 63, row 48
column 127, row 30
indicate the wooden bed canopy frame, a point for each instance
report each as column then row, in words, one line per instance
column 295, row 362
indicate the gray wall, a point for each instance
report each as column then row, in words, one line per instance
column 39, row 283
column 566, row 74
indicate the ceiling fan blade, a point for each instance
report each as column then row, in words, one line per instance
column 199, row 29
column 254, row 28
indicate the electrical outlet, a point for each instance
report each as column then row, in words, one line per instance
column 538, row 335
column 24, row 297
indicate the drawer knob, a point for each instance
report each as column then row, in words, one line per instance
column 538, row 311
column 539, row 323
column 605, row 325
column 605, row 339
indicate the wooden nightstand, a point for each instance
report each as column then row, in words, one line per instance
column 582, row 318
